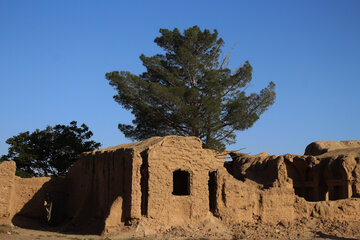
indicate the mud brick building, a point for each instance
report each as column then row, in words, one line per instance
column 173, row 181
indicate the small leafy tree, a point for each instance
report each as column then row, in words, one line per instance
column 188, row 90
column 50, row 151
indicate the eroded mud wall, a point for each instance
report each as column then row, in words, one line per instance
column 7, row 186
column 248, row 201
column 30, row 198
column 237, row 201
column 293, row 187
column 24, row 197
column 277, row 205
column 192, row 164
column 212, row 189
column 262, row 168
column 100, row 189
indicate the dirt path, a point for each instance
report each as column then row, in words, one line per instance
column 306, row 229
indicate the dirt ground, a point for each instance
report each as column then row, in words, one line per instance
column 210, row 229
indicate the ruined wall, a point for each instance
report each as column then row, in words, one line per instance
column 99, row 188
column 341, row 173
column 234, row 198
column 277, row 205
column 332, row 175
column 250, row 201
column 261, row 168
column 237, row 201
column 30, row 196
column 23, row 196
column 185, row 154
column 7, row 186
column 328, row 176
column 173, row 181
column 345, row 210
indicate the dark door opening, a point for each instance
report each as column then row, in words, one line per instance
column 144, row 183
column 213, row 192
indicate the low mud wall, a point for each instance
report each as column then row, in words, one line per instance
column 24, row 196
column 247, row 201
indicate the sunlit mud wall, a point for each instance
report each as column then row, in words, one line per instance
column 180, row 183
column 177, row 180
column 7, row 186
column 253, row 189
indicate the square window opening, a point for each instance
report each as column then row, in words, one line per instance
column 181, row 183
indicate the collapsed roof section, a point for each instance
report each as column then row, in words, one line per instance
column 331, row 171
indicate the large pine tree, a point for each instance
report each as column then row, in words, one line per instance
column 189, row 91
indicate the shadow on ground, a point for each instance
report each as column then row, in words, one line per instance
column 327, row 236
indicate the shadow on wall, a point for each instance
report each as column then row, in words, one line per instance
column 46, row 211
column 312, row 178
column 100, row 188
column 327, row 180
column 306, row 179
column 96, row 192
column 45, row 208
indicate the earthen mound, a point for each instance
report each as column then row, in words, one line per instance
column 321, row 147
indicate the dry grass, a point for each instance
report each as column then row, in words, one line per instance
column 7, row 229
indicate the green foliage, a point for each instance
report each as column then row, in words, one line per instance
column 189, row 91
column 50, row 151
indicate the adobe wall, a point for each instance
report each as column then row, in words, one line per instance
column 314, row 178
column 30, row 195
column 23, row 196
column 346, row 210
column 134, row 182
column 235, row 201
column 250, row 201
column 7, row 186
column 186, row 154
column 99, row 189
column 341, row 172
column 295, row 187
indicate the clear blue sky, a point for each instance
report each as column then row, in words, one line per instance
column 54, row 55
